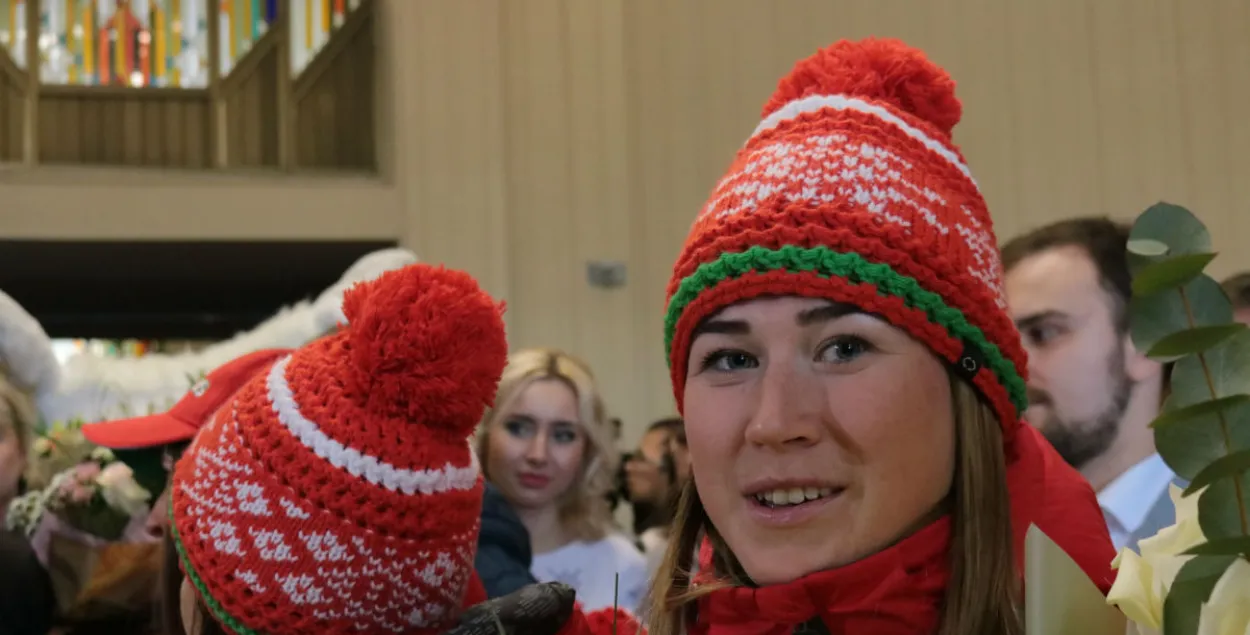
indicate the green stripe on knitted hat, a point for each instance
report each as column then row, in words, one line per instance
column 853, row 267
column 213, row 606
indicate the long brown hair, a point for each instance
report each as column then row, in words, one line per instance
column 171, row 599
column 983, row 595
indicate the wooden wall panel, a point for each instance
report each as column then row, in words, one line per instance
column 568, row 187
column 123, row 128
column 1072, row 107
column 251, row 105
column 519, row 142
column 333, row 108
column 446, row 132
column 12, row 112
column 540, row 137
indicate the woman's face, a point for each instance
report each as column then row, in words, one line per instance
column 818, row 435
column 536, row 445
column 12, row 462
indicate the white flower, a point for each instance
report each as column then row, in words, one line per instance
column 42, row 446
column 102, row 455
column 120, row 491
column 1227, row 611
column 1143, row 581
column 24, row 512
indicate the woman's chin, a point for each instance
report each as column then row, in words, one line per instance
column 774, row 562
column 778, row 571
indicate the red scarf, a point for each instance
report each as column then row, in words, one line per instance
column 898, row 591
column 1048, row 493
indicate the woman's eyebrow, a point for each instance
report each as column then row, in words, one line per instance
column 826, row 313
column 724, row 327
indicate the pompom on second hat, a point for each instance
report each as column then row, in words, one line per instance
column 338, row 491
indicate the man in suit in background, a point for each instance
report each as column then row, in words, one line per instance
column 1238, row 289
column 1090, row 392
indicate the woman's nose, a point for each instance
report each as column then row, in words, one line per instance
column 537, row 451
column 155, row 524
column 159, row 516
column 788, row 408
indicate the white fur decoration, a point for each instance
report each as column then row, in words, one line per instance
column 26, row 355
column 94, row 388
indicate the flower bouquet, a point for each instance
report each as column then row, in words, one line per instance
column 87, row 528
column 57, row 448
column 1192, row 578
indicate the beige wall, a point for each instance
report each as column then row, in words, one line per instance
column 523, row 138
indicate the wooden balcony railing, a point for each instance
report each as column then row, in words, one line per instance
column 257, row 106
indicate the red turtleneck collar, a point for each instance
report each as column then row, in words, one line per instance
column 897, row 591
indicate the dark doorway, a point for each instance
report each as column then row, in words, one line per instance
column 167, row 290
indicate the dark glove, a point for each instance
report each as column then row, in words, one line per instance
column 537, row 609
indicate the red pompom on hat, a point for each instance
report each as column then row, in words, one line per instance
column 338, row 492
column 881, row 70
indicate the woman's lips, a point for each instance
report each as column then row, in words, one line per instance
column 769, row 513
column 533, row 481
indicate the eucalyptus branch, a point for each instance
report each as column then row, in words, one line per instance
column 1224, row 426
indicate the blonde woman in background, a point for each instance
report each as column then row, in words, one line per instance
column 547, row 446
column 17, row 422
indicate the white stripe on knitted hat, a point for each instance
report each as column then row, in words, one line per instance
column 826, row 169
column 355, row 462
column 813, row 103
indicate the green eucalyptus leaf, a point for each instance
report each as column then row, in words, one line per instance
column 1148, row 248
column 1173, row 226
column 1154, row 317
column 1223, row 467
column 1169, row 274
column 1191, row 588
column 1199, row 410
column 1189, row 448
column 1193, row 341
column 1220, row 511
column 1223, row 547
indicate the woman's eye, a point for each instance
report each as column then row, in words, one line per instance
column 564, row 436
column 519, row 429
column 844, row 349
column 1041, row 335
column 728, row 361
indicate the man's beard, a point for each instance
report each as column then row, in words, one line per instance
column 1080, row 442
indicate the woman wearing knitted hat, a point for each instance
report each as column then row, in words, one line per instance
column 850, row 380
column 548, row 447
column 337, row 492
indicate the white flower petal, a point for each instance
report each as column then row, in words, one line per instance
column 1136, row 591
column 1227, row 611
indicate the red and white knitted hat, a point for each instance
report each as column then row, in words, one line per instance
column 338, row 491
column 851, row 188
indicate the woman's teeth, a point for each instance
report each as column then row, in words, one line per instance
column 792, row 496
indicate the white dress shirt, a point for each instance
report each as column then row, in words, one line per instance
column 591, row 568
column 1129, row 498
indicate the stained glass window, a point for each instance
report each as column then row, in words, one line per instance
column 124, row 42
column 242, row 22
column 161, row 43
column 312, row 23
column 13, row 30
